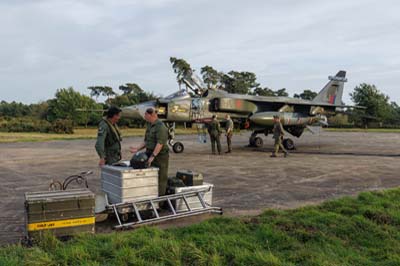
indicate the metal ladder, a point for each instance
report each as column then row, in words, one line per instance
column 132, row 207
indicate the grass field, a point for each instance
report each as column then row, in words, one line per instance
column 350, row 231
column 90, row 133
column 80, row 133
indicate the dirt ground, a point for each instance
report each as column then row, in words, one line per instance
column 324, row 166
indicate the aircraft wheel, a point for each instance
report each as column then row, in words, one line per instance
column 288, row 144
column 258, row 142
column 178, row 147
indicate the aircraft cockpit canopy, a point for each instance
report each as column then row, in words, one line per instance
column 178, row 94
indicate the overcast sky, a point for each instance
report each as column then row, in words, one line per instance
column 47, row 45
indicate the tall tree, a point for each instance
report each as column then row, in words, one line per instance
column 211, row 77
column 132, row 94
column 263, row 92
column 306, row 95
column 269, row 92
column 130, row 88
column 181, row 68
column 108, row 92
column 239, row 82
column 96, row 91
column 67, row 104
column 282, row 92
column 395, row 114
column 376, row 103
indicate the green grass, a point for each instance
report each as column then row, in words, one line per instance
column 90, row 133
column 350, row 231
column 80, row 133
column 375, row 130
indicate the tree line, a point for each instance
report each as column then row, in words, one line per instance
column 70, row 108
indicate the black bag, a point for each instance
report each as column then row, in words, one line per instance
column 139, row 160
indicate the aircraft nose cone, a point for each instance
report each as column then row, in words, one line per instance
column 136, row 111
column 131, row 112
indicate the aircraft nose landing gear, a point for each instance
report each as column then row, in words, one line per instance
column 178, row 147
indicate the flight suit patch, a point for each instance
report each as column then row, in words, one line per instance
column 101, row 131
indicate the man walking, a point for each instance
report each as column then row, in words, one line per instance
column 278, row 136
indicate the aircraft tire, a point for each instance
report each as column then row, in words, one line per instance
column 178, row 147
column 288, row 144
column 258, row 142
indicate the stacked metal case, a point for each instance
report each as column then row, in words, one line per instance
column 63, row 213
column 125, row 184
column 194, row 202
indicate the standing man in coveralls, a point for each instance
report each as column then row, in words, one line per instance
column 108, row 144
column 156, row 144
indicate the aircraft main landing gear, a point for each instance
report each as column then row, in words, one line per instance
column 288, row 144
column 255, row 141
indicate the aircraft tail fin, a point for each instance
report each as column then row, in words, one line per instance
column 333, row 91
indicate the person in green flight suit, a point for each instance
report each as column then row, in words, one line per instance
column 156, row 145
column 278, row 133
column 108, row 143
column 229, row 132
column 214, row 129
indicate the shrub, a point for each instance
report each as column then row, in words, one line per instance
column 64, row 126
column 24, row 124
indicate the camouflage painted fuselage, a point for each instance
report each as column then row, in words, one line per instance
column 253, row 112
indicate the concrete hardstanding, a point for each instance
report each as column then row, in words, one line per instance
column 325, row 166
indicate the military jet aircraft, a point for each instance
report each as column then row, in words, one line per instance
column 251, row 112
